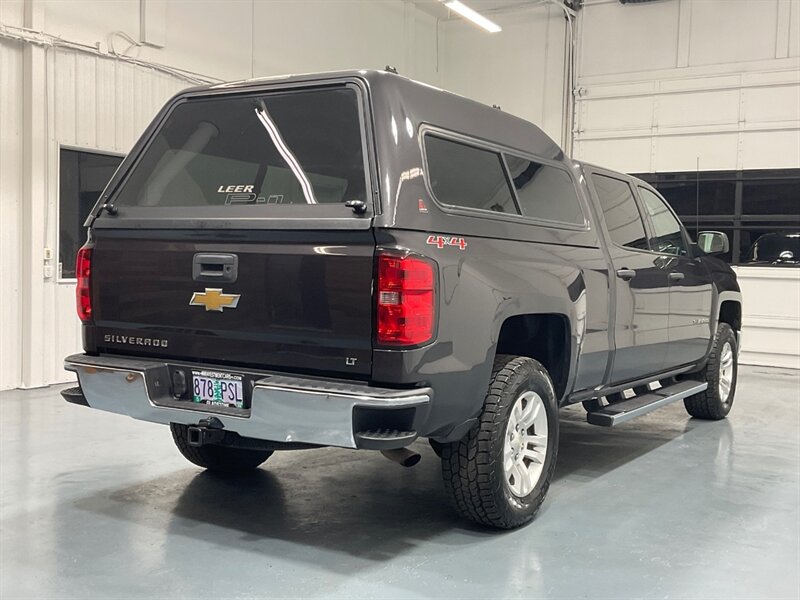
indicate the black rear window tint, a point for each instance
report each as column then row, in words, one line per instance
column 543, row 191
column 282, row 148
column 463, row 175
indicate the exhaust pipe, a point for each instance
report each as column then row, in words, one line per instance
column 402, row 456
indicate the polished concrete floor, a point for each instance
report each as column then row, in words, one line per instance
column 94, row 505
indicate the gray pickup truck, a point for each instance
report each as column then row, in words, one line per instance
column 359, row 260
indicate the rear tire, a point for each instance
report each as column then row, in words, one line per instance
column 720, row 372
column 219, row 459
column 499, row 473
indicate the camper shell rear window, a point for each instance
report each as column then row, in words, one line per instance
column 260, row 155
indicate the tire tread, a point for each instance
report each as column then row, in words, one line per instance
column 468, row 465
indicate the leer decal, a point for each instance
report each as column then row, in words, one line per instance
column 440, row 241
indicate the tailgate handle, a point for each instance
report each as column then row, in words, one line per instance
column 214, row 268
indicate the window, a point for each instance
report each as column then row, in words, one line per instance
column 621, row 214
column 667, row 235
column 463, row 175
column 771, row 197
column 716, row 191
column 544, row 192
column 283, row 148
column 746, row 205
column 82, row 178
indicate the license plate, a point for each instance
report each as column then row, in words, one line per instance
column 214, row 387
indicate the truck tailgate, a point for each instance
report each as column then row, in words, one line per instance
column 304, row 298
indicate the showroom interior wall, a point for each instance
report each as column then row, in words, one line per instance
column 521, row 70
column 662, row 85
column 53, row 96
column 659, row 84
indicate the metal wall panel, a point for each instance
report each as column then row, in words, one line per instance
column 691, row 95
column 10, row 215
column 92, row 103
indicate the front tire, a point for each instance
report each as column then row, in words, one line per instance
column 219, row 459
column 499, row 473
column 720, row 372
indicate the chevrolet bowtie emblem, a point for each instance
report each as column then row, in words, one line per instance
column 214, row 299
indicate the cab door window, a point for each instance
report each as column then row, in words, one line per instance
column 623, row 220
column 667, row 236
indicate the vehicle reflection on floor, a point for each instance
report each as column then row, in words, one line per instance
column 96, row 505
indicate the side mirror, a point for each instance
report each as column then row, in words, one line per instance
column 713, row 242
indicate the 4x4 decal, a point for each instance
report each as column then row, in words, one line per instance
column 440, row 241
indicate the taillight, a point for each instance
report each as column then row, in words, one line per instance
column 83, row 292
column 406, row 294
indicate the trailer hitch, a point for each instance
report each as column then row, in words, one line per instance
column 207, row 431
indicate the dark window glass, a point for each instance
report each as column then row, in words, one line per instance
column 771, row 197
column 283, row 148
column 744, row 204
column 621, row 214
column 667, row 235
column 716, row 197
column 463, row 175
column 544, row 192
column 82, row 178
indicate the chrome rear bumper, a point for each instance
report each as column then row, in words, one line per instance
column 283, row 408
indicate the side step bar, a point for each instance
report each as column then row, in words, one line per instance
column 619, row 412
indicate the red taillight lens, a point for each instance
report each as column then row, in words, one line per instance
column 406, row 294
column 83, row 292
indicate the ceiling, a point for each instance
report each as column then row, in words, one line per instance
column 485, row 7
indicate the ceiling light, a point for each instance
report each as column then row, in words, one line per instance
column 474, row 16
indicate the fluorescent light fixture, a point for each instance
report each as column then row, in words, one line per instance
column 474, row 16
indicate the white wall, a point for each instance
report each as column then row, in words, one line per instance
column 771, row 316
column 520, row 69
column 10, row 210
column 662, row 84
column 51, row 97
column 237, row 39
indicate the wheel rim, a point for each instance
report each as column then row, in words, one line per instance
column 525, row 447
column 725, row 372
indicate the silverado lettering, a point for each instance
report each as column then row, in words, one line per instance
column 135, row 341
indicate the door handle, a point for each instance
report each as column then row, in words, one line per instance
column 626, row 274
column 676, row 276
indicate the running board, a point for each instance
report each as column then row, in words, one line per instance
column 619, row 412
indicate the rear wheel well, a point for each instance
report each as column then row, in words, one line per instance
column 544, row 337
column 730, row 312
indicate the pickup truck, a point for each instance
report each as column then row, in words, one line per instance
column 358, row 260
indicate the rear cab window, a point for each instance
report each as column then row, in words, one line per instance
column 467, row 176
column 544, row 192
column 294, row 152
